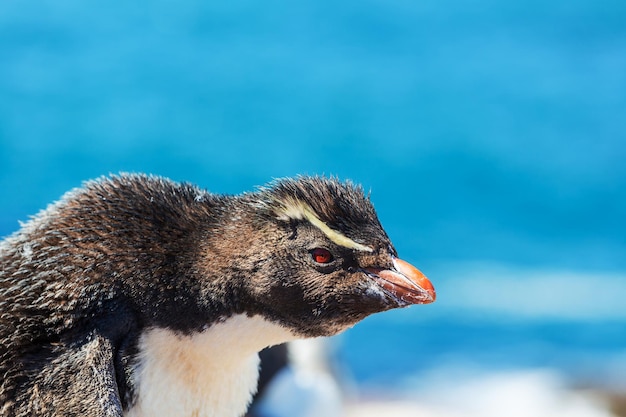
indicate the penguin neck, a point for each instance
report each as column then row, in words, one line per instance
column 212, row 373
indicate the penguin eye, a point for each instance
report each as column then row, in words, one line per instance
column 322, row 256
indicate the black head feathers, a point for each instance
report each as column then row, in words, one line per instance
column 341, row 206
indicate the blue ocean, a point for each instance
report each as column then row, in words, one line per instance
column 492, row 136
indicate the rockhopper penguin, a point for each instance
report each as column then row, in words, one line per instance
column 137, row 296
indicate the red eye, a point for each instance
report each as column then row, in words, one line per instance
column 321, row 255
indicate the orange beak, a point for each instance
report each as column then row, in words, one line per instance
column 407, row 284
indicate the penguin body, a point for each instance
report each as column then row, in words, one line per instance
column 136, row 296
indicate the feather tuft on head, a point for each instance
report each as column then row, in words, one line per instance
column 338, row 209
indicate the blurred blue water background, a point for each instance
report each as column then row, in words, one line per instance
column 491, row 134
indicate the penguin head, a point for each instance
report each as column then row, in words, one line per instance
column 316, row 258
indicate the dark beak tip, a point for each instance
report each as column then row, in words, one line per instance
column 431, row 298
column 411, row 296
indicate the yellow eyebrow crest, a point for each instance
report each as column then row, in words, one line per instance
column 297, row 210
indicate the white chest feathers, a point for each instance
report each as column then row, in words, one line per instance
column 208, row 374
